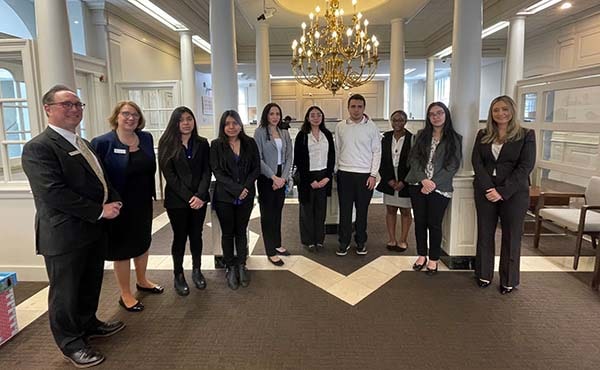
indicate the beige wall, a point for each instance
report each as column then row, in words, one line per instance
column 295, row 99
column 574, row 46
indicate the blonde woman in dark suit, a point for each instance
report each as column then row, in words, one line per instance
column 503, row 157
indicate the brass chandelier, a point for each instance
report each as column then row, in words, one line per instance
column 331, row 55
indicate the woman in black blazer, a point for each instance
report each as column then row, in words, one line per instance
column 184, row 162
column 235, row 162
column 314, row 158
column 503, row 157
column 127, row 154
column 395, row 147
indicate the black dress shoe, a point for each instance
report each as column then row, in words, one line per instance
column 284, row 253
column 419, row 267
column 244, row 275
column 506, row 289
column 85, row 357
column 157, row 289
column 483, row 283
column 198, row 279
column 233, row 281
column 137, row 307
column 396, row 248
column 279, row 262
column 105, row 329
column 181, row 286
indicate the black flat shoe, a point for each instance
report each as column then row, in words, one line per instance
column 506, row 290
column 157, row 289
column 419, row 267
column 276, row 263
column 483, row 283
column 244, row 275
column 180, row 285
column 137, row 307
column 85, row 357
column 198, row 279
column 284, row 253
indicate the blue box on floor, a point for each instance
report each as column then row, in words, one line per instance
column 8, row 309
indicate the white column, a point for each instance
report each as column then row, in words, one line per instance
column 430, row 88
column 55, row 52
column 97, row 40
column 397, row 65
column 263, row 67
column 460, row 226
column 188, row 78
column 223, row 58
column 514, row 54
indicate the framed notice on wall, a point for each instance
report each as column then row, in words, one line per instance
column 207, row 105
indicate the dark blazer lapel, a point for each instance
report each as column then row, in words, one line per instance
column 65, row 145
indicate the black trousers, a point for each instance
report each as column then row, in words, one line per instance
column 234, row 223
column 186, row 222
column 75, row 281
column 512, row 214
column 271, row 205
column 428, row 210
column 353, row 191
column 313, row 212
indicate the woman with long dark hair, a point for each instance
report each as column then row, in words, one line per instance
column 314, row 158
column 183, row 157
column 127, row 154
column 503, row 157
column 235, row 163
column 275, row 148
column 434, row 160
column 395, row 147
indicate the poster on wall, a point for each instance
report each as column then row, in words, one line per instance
column 207, row 105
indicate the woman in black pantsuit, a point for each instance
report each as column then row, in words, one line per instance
column 235, row 163
column 184, row 162
column 503, row 157
column 314, row 158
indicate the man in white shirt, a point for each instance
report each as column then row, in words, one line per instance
column 358, row 154
column 72, row 200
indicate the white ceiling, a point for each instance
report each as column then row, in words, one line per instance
column 428, row 28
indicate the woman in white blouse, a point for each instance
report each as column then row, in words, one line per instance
column 395, row 147
column 314, row 158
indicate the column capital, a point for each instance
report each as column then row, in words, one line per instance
column 184, row 32
column 397, row 20
column 95, row 4
column 517, row 18
column 263, row 25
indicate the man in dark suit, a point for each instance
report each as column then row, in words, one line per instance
column 72, row 198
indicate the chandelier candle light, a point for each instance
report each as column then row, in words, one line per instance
column 334, row 56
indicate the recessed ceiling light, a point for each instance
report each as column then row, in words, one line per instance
column 538, row 7
column 566, row 5
column 76, row 22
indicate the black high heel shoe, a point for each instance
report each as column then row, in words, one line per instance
column 419, row 267
column 483, row 283
column 431, row 272
column 506, row 289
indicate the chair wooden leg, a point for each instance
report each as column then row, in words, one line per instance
column 538, row 229
column 577, row 249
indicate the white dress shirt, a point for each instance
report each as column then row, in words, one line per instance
column 317, row 151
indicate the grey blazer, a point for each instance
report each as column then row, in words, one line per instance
column 268, row 153
column 442, row 176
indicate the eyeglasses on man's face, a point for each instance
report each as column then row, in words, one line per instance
column 69, row 105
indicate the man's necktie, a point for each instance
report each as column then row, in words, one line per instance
column 93, row 162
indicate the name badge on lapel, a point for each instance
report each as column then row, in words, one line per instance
column 74, row 153
column 120, row 151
